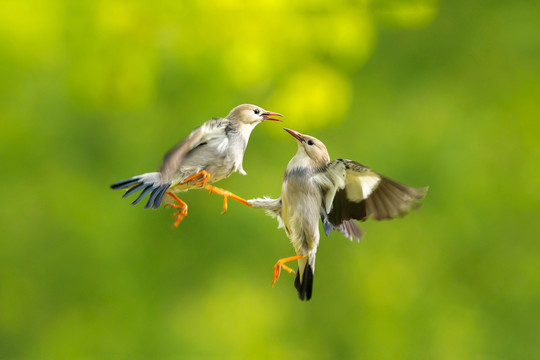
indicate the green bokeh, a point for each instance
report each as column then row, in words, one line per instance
column 440, row 94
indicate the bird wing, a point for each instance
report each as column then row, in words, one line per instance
column 347, row 227
column 198, row 137
column 354, row 191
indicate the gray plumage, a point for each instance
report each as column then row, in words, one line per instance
column 336, row 192
column 216, row 147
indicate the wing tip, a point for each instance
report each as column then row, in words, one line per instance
column 422, row 192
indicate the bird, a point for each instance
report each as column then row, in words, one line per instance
column 210, row 153
column 337, row 192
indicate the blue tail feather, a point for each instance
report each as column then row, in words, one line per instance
column 133, row 189
column 147, row 183
column 143, row 194
column 155, row 194
column 124, row 183
column 159, row 197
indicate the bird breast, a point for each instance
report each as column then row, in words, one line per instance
column 301, row 202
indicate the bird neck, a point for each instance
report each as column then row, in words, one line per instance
column 244, row 130
column 301, row 161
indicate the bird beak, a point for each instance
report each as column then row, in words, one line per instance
column 266, row 116
column 296, row 134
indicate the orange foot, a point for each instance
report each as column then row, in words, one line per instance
column 281, row 264
column 181, row 205
column 226, row 194
column 202, row 177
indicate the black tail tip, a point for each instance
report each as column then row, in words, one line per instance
column 124, row 183
column 305, row 288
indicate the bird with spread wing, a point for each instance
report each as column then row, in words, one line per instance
column 210, row 153
column 337, row 192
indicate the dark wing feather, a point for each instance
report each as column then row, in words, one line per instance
column 350, row 230
column 392, row 199
column 368, row 194
column 347, row 227
column 343, row 209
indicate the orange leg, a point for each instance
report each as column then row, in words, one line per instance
column 281, row 264
column 202, row 177
column 226, row 194
column 181, row 205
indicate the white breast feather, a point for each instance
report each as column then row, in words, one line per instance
column 222, row 144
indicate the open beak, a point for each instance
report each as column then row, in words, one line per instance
column 267, row 116
column 296, row 134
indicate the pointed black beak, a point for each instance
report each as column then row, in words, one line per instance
column 296, row 134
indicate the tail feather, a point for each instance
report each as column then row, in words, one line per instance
column 159, row 196
column 304, row 283
column 155, row 198
column 133, row 189
column 149, row 183
column 146, row 190
column 125, row 183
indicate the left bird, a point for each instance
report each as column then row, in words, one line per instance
column 210, row 153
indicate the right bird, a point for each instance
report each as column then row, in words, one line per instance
column 210, row 153
column 337, row 192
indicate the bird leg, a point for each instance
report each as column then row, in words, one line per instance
column 281, row 264
column 202, row 177
column 181, row 205
column 226, row 194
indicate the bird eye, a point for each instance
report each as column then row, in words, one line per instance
column 257, row 111
column 310, row 142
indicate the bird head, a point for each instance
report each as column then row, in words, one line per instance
column 310, row 147
column 251, row 114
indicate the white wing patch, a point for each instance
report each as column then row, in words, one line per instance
column 360, row 186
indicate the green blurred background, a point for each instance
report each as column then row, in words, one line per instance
column 432, row 93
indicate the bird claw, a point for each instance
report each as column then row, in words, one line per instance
column 277, row 270
column 174, row 206
column 200, row 178
column 180, row 215
column 224, row 204
column 281, row 264
column 202, row 181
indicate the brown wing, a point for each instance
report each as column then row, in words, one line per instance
column 366, row 193
column 392, row 199
column 173, row 159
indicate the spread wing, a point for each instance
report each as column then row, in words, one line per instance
column 198, row 137
column 356, row 192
